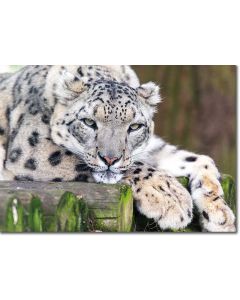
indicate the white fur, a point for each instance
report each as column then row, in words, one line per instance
column 107, row 177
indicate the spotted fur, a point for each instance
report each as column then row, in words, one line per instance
column 94, row 123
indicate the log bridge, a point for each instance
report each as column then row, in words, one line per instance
column 77, row 207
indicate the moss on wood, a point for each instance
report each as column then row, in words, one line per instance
column 71, row 214
column 125, row 209
column 14, row 216
column 229, row 190
column 35, row 216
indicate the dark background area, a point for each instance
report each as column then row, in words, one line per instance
column 198, row 111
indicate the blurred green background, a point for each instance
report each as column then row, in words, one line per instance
column 198, row 111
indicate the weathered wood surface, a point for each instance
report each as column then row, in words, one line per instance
column 109, row 207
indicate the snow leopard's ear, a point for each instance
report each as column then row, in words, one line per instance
column 150, row 94
column 69, row 87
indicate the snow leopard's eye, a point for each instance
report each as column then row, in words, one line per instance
column 135, row 127
column 89, row 122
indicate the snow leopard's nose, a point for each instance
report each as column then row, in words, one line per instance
column 108, row 160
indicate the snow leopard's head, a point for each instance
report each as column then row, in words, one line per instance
column 106, row 123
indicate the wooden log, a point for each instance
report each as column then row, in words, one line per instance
column 47, row 207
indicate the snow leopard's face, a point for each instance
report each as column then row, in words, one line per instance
column 106, row 123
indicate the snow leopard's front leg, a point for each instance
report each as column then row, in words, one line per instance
column 160, row 196
column 204, row 184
